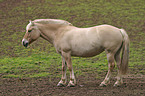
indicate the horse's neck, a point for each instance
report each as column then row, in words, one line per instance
column 49, row 31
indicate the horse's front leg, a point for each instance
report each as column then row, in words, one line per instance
column 67, row 56
column 63, row 80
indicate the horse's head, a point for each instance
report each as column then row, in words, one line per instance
column 32, row 33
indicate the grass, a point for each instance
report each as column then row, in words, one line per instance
column 38, row 65
column 41, row 60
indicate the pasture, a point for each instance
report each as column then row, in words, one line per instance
column 36, row 70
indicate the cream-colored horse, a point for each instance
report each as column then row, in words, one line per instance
column 82, row 42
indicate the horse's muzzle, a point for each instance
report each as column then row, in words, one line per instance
column 25, row 42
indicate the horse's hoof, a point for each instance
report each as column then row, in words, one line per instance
column 118, row 84
column 103, row 85
column 60, row 85
column 71, row 85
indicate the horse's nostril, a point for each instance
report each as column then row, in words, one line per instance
column 26, row 44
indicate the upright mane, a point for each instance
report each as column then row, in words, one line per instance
column 52, row 21
column 49, row 21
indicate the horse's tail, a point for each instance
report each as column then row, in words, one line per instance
column 125, row 53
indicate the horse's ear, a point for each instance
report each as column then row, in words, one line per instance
column 32, row 23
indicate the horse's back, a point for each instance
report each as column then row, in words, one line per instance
column 102, row 35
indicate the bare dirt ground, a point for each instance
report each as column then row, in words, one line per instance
column 133, row 86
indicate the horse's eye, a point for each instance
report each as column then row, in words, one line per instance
column 29, row 30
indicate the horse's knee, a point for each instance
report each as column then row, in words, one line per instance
column 69, row 68
column 64, row 68
column 111, row 67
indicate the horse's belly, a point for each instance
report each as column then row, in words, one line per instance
column 82, row 52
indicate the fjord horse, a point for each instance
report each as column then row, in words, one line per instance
column 69, row 40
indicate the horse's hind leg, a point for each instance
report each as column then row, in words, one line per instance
column 111, row 65
column 118, row 62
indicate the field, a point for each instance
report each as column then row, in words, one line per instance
column 36, row 70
